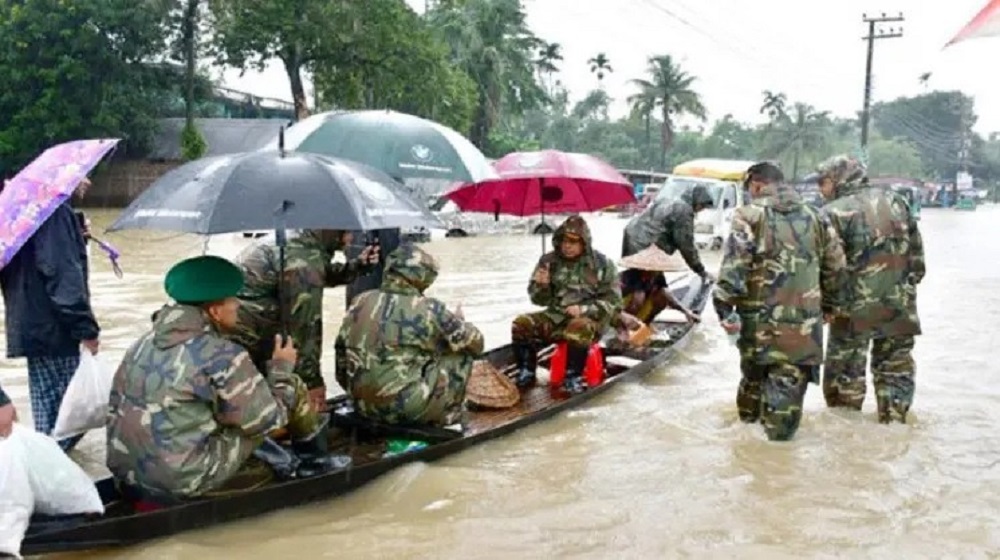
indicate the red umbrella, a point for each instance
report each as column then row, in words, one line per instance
column 543, row 182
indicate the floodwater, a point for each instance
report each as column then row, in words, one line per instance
column 659, row 468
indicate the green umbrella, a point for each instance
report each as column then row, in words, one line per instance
column 399, row 144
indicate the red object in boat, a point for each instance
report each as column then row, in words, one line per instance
column 593, row 371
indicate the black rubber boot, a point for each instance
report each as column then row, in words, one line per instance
column 314, row 452
column 284, row 464
column 526, row 356
column 576, row 360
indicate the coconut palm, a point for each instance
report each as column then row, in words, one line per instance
column 668, row 88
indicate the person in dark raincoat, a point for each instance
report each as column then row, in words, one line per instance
column 668, row 224
column 48, row 313
column 403, row 356
column 578, row 286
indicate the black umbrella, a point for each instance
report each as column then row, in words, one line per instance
column 273, row 190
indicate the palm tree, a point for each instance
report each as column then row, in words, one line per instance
column 801, row 130
column 601, row 66
column 774, row 104
column 668, row 88
column 548, row 55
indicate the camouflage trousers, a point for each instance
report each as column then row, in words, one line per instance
column 545, row 327
column 772, row 394
column 893, row 372
column 436, row 398
column 303, row 419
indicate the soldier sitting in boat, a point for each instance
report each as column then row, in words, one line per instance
column 308, row 271
column 189, row 413
column 578, row 286
column 402, row 356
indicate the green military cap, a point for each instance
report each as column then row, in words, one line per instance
column 202, row 280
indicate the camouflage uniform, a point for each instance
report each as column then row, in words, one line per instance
column 885, row 261
column 403, row 356
column 188, row 408
column 670, row 225
column 782, row 270
column 308, row 271
column 590, row 281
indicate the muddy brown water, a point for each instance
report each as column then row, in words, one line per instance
column 659, row 468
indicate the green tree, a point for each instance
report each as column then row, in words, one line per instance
column 939, row 124
column 600, row 66
column 490, row 40
column 76, row 70
column 250, row 33
column 669, row 89
column 797, row 132
column 397, row 63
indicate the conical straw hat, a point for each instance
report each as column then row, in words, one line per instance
column 489, row 388
column 652, row 258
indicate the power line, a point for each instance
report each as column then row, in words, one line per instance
column 874, row 33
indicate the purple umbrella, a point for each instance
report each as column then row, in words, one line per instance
column 28, row 199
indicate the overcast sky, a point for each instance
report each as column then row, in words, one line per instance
column 811, row 50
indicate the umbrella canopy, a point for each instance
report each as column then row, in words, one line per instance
column 548, row 181
column 28, row 199
column 398, row 144
column 985, row 24
column 273, row 190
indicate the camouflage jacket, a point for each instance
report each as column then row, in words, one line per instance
column 308, row 271
column 188, row 407
column 393, row 336
column 783, row 267
column 670, row 225
column 885, row 260
column 590, row 281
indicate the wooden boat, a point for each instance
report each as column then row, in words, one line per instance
column 122, row 526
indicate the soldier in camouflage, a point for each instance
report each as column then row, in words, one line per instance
column 670, row 225
column 308, row 271
column 578, row 286
column 782, row 270
column 188, row 410
column 885, row 260
column 403, row 356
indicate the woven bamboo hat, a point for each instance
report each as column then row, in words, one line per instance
column 652, row 258
column 489, row 388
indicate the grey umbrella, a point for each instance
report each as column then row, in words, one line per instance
column 272, row 190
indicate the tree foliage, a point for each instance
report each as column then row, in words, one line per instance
column 78, row 69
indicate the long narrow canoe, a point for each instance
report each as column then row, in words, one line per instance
column 366, row 442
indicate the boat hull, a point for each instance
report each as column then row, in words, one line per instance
column 120, row 526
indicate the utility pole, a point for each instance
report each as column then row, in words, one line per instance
column 874, row 33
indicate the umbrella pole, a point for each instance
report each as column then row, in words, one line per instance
column 282, row 240
column 541, row 206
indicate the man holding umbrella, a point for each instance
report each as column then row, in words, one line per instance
column 308, row 270
column 48, row 312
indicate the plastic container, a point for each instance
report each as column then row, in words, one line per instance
column 593, row 370
column 399, row 446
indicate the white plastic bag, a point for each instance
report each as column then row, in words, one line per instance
column 85, row 405
column 59, row 485
column 16, row 499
